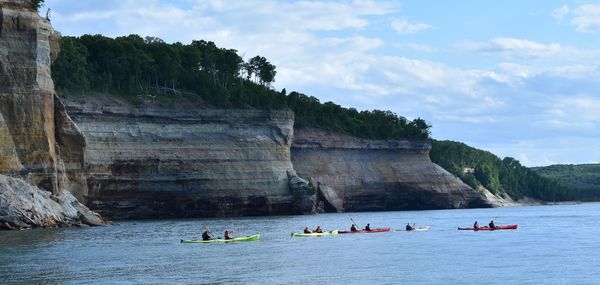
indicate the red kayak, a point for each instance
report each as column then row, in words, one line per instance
column 380, row 230
column 506, row 227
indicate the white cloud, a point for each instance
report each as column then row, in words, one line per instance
column 404, row 27
column 586, row 18
column 560, row 13
column 551, row 150
column 514, row 48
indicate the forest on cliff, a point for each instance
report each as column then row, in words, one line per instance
column 482, row 168
column 583, row 180
column 139, row 68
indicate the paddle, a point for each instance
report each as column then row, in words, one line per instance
column 354, row 223
column 208, row 232
column 232, row 227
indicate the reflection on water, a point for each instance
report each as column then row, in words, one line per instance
column 554, row 244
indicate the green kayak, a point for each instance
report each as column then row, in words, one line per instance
column 315, row 234
column 237, row 239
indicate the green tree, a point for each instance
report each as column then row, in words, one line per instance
column 70, row 70
column 37, row 3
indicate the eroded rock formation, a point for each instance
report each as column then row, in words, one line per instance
column 150, row 161
column 35, row 133
column 370, row 175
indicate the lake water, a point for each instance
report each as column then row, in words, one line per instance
column 553, row 245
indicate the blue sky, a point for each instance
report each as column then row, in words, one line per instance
column 518, row 78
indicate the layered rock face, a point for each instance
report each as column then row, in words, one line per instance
column 27, row 133
column 35, row 132
column 368, row 175
column 146, row 162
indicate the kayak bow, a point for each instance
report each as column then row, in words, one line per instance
column 237, row 239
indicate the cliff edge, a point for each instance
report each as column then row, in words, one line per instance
column 40, row 146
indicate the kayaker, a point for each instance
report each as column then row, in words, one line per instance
column 476, row 225
column 307, row 231
column 492, row 225
column 368, row 227
column 318, row 230
column 409, row 227
column 353, row 228
column 227, row 235
column 206, row 235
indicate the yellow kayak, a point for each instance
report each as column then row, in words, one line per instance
column 237, row 239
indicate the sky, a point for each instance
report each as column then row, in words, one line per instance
column 517, row 78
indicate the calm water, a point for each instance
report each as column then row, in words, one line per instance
column 553, row 245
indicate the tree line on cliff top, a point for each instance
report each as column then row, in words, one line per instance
column 137, row 68
column 500, row 176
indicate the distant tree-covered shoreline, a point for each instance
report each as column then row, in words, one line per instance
column 582, row 179
column 501, row 176
column 136, row 68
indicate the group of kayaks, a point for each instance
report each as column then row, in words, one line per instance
column 256, row 237
column 335, row 232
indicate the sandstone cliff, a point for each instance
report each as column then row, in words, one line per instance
column 35, row 132
column 150, row 161
column 366, row 175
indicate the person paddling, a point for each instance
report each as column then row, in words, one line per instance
column 307, row 231
column 318, row 230
column 206, row 235
column 476, row 225
column 492, row 225
column 409, row 227
column 227, row 235
column 353, row 228
column 368, row 228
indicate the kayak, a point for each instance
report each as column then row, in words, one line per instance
column 418, row 229
column 380, row 230
column 506, row 227
column 329, row 233
column 236, row 239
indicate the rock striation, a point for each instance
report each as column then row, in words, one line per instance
column 356, row 174
column 154, row 162
column 38, row 141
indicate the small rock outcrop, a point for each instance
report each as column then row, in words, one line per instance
column 356, row 174
column 304, row 194
column 332, row 202
column 23, row 205
column 38, row 141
